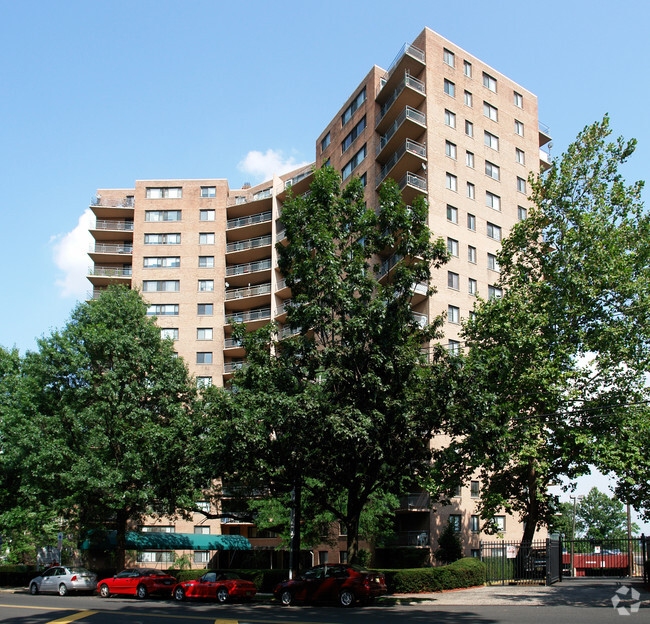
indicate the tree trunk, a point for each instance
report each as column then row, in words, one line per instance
column 352, row 526
column 525, row 556
column 120, row 539
column 294, row 532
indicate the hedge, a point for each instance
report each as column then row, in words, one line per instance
column 16, row 575
column 468, row 572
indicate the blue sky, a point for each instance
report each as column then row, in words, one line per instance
column 99, row 94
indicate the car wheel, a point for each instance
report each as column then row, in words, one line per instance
column 141, row 591
column 222, row 595
column 286, row 598
column 346, row 598
column 33, row 589
column 63, row 589
column 179, row 594
column 104, row 592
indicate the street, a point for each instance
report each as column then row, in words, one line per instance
column 588, row 602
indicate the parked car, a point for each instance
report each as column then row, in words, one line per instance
column 219, row 586
column 341, row 583
column 136, row 582
column 62, row 580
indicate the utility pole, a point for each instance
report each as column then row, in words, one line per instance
column 630, row 552
column 575, row 500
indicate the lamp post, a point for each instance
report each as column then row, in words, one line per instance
column 575, row 500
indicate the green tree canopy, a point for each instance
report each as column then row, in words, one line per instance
column 600, row 517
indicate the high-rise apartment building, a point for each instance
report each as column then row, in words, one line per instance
column 441, row 123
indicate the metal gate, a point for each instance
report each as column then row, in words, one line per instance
column 586, row 558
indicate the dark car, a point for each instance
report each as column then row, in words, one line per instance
column 136, row 582
column 219, row 586
column 341, row 583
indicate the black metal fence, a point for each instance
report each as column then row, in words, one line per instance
column 535, row 562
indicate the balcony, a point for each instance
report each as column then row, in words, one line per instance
column 409, row 123
column 254, row 318
column 112, row 208
column 111, row 230
column 260, row 291
column 419, row 501
column 409, row 59
column 409, row 92
column 417, row 539
column 249, row 249
column 102, row 276
column 110, row 252
column 231, row 367
column 286, row 331
column 298, row 184
column 281, row 287
column 544, row 134
column 419, row 293
column 411, row 186
column 388, row 264
column 421, row 319
column 239, row 222
column 238, row 274
column 544, row 160
column 410, row 155
column 282, row 309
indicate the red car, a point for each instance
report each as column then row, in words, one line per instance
column 136, row 582
column 340, row 583
column 219, row 586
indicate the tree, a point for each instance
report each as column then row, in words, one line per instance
column 109, row 430
column 561, row 355
column 600, row 517
column 348, row 406
column 450, row 548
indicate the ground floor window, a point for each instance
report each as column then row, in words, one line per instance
column 201, row 556
column 156, row 556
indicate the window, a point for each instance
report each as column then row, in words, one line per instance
column 472, row 286
column 469, row 128
column 206, row 285
column 208, row 191
column 165, row 309
column 469, row 159
column 493, row 265
column 449, row 57
column 500, row 523
column 468, row 99
column 169, row 332
column 354, row 162
column 491, row 140
column 324, row 144
column 201, row 556
column 165, row 262
column 452, row 247
column 156, row 556
column 156, row 216
column 491, row 112
column 162, row 239
column 206, row 262
column 475, row 524
column 204, row 357
column 518, row 99
column 453, row 346
column 452, row 280
column 492, row 170
column 474, row 489
column 457, row 492
column 353, row 134
column 453, row 314
column 494, row 292
column 161, row 285
column 455, row 521
column 452, row 214
column 522, row 213
column 204, row 309
column 322, row 557
column 166, row 192
column 467, row 69
column 451, row 182
column 471, row 190
column 450, row 88
column 521, row 185
column 343, row 556
column 206, row 238
column 203, row 382
column 206, row 215
column 493, row 231
column 471, row 222
column 450, row 118
column 204, row 333
column 201, row 530
column 203, row 506
column 519, row 128
column 489, row 82
column 157, row 529
column 471, row 254
column 492, row 200
column 354, row 105
column 520, row 156
column 450, row 149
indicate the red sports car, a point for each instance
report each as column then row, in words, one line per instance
column 136, row 582
column 340, row 583
column 219, row 586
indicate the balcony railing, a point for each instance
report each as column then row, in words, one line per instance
column 125, row 202
column 410, row 179
column 249, row 291
column 249, row 243
column 407, row 113
column 111, row 248
column 103, row 271
column 249, row 267
column 421, row 319
column 230, row 367
column 287, row 331
column 279, row 235
column 240, row 199
column 232, row 343
column 408, row 81
column 250, row 315
column 108, row 224
column 388, row 264
column 296, row 179
column 285, row 306
column 407, row 48
column 260, row 217
column 419, row 500
column 412, row 538
column 410, row 146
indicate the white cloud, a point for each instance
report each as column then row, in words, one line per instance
column 264, row 165
column 70, row 254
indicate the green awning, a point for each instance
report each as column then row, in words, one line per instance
column 172, row 541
